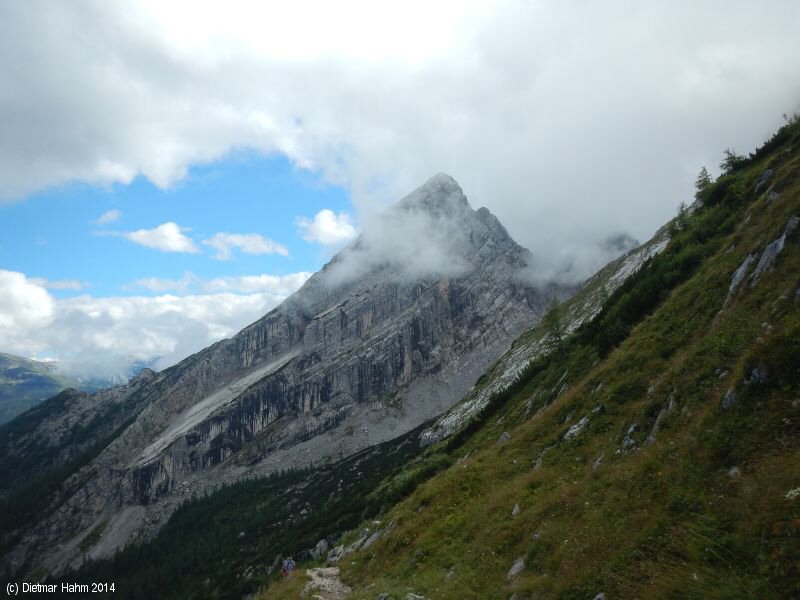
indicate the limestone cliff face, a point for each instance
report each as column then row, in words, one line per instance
column 390, row 333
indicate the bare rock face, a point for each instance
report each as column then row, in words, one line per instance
column 389, row 334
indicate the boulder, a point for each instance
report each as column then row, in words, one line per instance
column 336, row 554
column 729, row 400
column 516, row 568
column 762, row 180
column 576, row 429
column 320, row 549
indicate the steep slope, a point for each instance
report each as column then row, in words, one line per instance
column 657, row 455
column 24, row 383
column 389, row 334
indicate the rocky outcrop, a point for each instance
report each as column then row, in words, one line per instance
column 389, row 334
column 580, row 308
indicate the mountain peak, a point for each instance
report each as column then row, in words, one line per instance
column 439, row 196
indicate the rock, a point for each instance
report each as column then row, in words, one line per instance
column 515, row 510
column 734, row 472
column 450, row 574
column 413, row 596
column 598, row 461
column 772, row 196
column 383, row 596
column 772, row 251
column 576, row 429
column 738, row 276
column 320, row 549
column 516, row 568
column 336, row 554
column 758, row 376
column 600, row 596
column 723, row 374
column 657, row 426
column 762, row 180
column 729, row 400
column 629, row 441
column 504, row 437
column 371, row 540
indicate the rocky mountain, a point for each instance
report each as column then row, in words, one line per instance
column 389, row 334
column 253, row 522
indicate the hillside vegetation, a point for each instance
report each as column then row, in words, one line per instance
column 657, row 454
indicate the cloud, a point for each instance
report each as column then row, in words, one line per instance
column 60, row 284
column 249, row 243
column 277, row 285
column 160, row 284
column 327, row 228
column 569, row 130
column 100, row 337
column 426, row 234
column 23, row 304
column 167, row 237
column 280, row 285
column 108, row 217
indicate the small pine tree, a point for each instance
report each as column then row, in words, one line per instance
column 554, row 326
column 702, row 182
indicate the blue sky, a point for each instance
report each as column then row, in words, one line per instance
column 54, row 234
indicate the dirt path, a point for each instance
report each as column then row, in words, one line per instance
column 325, row 584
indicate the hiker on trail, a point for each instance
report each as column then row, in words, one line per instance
column 288, row 567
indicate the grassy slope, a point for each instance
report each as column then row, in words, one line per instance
column 701, row 513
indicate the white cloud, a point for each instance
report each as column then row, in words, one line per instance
column 108, row 217
column 167, row 237
column 281, row 285
column 277, row 285
column 60, row 284
column 327, row 228
column 568, row 129
column 249, row 243
column 23, row 304
column 99, row 337
column 160, row 284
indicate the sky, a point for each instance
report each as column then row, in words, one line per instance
column 170, row 171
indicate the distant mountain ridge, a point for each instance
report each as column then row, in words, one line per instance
column 25, row 382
